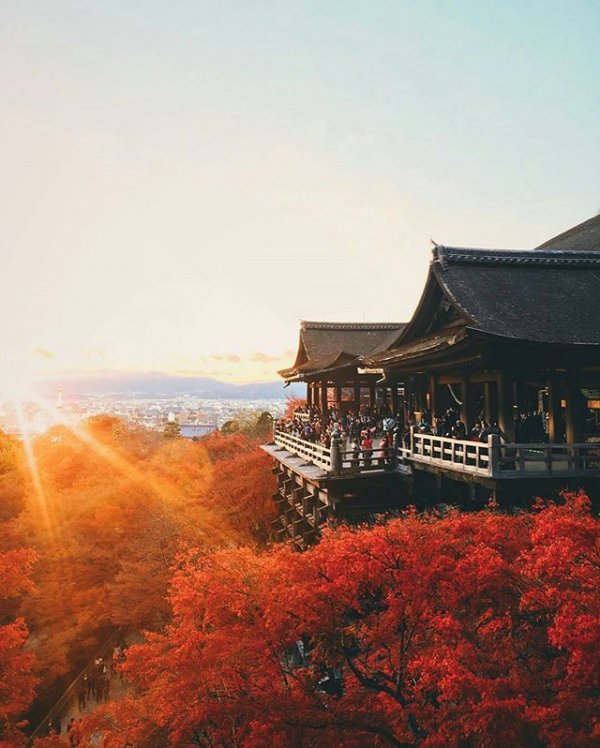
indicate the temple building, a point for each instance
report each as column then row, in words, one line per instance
column 506, row 337
column 504, row 334
column 329, row 360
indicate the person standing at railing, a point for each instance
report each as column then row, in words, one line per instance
column 355, row 429
column 438, row 427
column 491, row 430
column 459, row 430
column 308, row 432
column 367, row 448
column 355, row 458
column 383, row 451
column 450, row 417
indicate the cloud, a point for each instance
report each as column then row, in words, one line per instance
column 264, row 358
column 231, row 358
column 43, row 353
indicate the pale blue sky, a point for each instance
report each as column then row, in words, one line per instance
column 165, row 164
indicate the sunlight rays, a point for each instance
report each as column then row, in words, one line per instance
column 40, row 494
column 164, row 489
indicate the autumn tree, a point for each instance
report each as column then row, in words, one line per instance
column 292, row 404
column 17, row 681
column 462, row 630
column 111, row 509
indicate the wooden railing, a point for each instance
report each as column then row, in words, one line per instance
column 334, row 459
column 489, row 459
column 301, row 416
column 462, row 455
column 316, row 454
column 496, row 460
column 537, row 460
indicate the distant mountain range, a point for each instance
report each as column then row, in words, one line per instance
column 155, row 384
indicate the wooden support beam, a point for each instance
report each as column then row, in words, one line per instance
column 575, row 411
column 395, row 398
column 487, row 401
column 505, row 406
column 555, row 434
column 464, row 396
column 433, row 396
column 323, row 398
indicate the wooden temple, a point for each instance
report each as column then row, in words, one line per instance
column 329, row 360
column 510, row 336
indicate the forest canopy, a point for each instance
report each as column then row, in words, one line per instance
column 462, row 630
column 419, row 630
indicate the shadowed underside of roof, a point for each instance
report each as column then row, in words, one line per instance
column 585, row 236
column 329, row 345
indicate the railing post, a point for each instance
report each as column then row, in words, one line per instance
column 412, row 440
column 493, row 454
column 336, row 454
column 394, row 451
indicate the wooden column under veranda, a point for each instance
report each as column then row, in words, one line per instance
column 323, row 398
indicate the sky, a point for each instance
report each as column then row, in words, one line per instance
column 182, row 182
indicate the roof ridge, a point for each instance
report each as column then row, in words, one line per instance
column 313, row 325
column 573, row 231
column 537, row 257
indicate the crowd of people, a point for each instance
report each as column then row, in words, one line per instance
column 368, row 430
column 373, row 431
column 93, row 686
column 450, row 426
column 96, row 681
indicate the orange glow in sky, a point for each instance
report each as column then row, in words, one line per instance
column 182, row 183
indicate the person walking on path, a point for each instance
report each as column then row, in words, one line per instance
column 82, row 694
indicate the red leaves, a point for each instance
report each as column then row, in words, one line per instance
column 17, row 682
column 474, row 629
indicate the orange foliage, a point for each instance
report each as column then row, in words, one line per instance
column 111, row 510
column 292, row 404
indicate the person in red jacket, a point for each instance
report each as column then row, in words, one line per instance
column 366, row 445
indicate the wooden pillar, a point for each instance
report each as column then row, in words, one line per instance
column 575, row 412
column 309, row 394
column 372, row 395
column 432, row 396
column 464, row 396
column 356, row 397
column 487, row 402
column 323, row 399
column 505, row 406
column 554, row 415
column 395, row 398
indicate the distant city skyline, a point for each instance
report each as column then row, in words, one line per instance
column 182, row 183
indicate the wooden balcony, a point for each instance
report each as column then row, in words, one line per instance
column 316, row 483
column 492, row 459
column 336, row 462
column 489, row 459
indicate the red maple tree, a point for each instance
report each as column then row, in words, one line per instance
column 17, row 681
column 462, row 630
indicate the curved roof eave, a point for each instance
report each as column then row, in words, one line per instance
column 434, row 281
